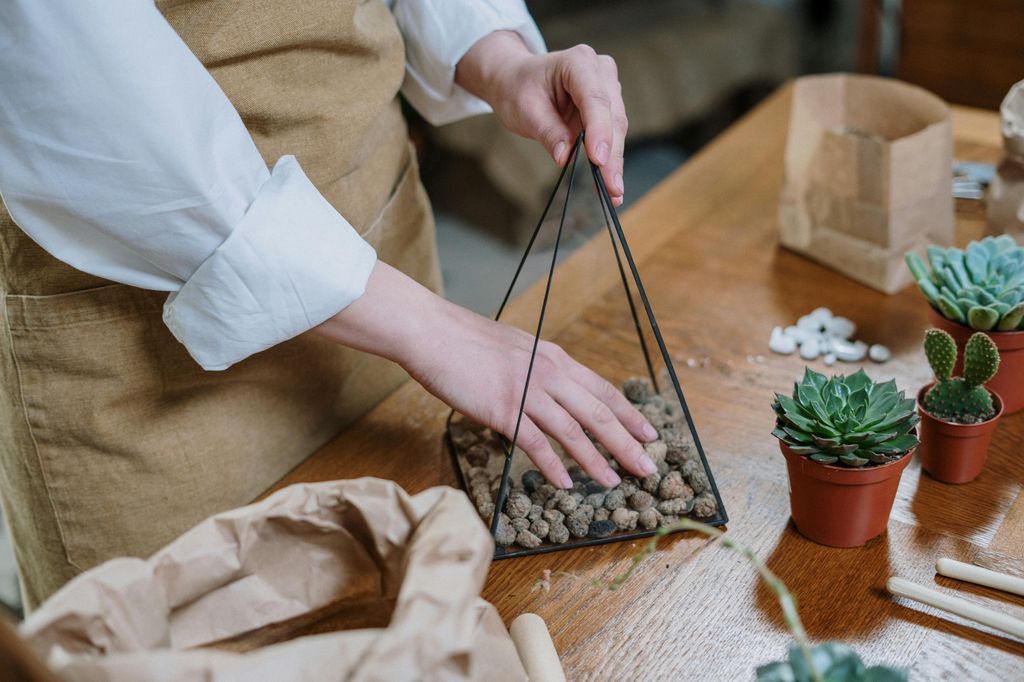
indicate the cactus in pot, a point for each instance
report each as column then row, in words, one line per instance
column 961, row 400
column 981, row 286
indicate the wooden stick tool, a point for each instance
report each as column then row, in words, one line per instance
column 979, row 576
column 955, row 605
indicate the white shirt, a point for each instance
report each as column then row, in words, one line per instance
column 121, row 156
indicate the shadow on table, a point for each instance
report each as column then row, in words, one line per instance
column 835, row 588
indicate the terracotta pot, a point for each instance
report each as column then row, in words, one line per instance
column 955, row 453
column 1009, row 380
column 841, row 506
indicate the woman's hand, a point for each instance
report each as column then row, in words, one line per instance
column 479, row 368
column 551, row 97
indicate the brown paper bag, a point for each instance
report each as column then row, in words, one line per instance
column 867, row 165
column 301, row 549
column 1005, row 200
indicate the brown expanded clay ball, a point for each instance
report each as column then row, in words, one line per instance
column 705, row 506
column 690, row 466
column 699, row 482
column 614, row 499
column 527, row 539
column 595, row 500
column 638, row 390
column 553, row 516
column 463, row 439
column 629, row 485
column 648, row 519
column 650, row 483
column 543, row 493
column 567, row 505
column 540, row 528
column 601, row 514
column 558, row 533
column 656, row 451
column 641, row 500
column 673, row 486
column 578, row 524
column 505, row 534
column 674, row 507
column 478, row 455
column 536, row 512
column 625, row 519
column 532, row 479
column 518, row 505
column 485, row 507
column 520, row 524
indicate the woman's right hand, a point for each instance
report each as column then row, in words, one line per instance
column 478, row 367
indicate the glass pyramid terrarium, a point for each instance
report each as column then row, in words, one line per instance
column 525, row 513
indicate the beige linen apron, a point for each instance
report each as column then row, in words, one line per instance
column 113, row 440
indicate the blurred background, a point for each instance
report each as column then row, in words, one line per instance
column 689, row 68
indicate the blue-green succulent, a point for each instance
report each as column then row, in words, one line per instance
column 981, row 286
column 846, row 420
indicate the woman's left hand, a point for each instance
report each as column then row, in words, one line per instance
column 551, row 98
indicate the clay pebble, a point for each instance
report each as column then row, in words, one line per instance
column 532, row 479
column 671, row 486
column 699, row 482
column 601, row 514
column 641, row 500
column 595, row 500
column 558, row 533
column 648, row 519
column 638, row 390
column 601, row 529
column 624, row 519
column 518, row 505
column 704, row 506
column 614, row 499
column 540, row 528
column 650, row 483
column 527, row 539
column 553, row 516
column 520, row 524
column 578, row 525
column 505, row 534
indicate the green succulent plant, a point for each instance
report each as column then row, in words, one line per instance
column 982, row 286
column 849, row 420
column 962, row 400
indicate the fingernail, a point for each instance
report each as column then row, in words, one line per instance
column 559, row 150
column 602, row 153
column 648, row 467
column 612, row 478
column 619, row 187
column 650, row 433
column 565, row 481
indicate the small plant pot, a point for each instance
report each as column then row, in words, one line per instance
column 841, row 506
column 955, row 453
column 1007, row 381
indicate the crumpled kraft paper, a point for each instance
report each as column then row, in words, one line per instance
column 867, row 176
column 301, row 549
column 1005, row 201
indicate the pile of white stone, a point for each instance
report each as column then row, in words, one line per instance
column 822, row 334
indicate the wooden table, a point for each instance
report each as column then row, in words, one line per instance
column 705, row 241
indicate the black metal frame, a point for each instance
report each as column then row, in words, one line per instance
column 618, row 238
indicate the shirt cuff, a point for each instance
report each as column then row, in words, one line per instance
column 437, row 34
column 292, row 263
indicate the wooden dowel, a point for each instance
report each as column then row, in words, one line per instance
column 961, row 607
column 536, row 650
column 952, row 568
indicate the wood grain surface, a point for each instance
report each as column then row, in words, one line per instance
column 705, row 240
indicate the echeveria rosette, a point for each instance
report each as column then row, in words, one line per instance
column 846, row 420
column 981, row 286
column 834, row 662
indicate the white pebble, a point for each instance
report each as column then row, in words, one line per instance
column 879, row 353
column 810, row 324
column 809, row 349
column 849, row 351
column 823, row 315
column 781, row 343
column 841, row 327
column 829, row 359
column 796, row 333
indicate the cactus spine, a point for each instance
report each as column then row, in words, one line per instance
column 962, row 400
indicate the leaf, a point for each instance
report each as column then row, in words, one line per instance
column 982, row 317
column 858, row 380
column 822, row 458
column 897, row 445
column 853, row 460
column 798, row 436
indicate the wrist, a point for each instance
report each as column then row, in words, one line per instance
column 394, row 318
column 485, row 68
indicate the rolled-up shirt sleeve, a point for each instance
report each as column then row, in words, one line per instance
column 121, row 156
column 437, row 34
